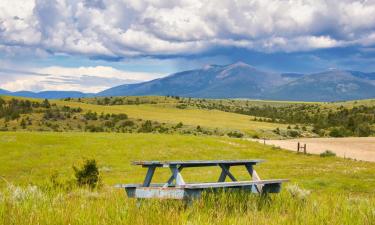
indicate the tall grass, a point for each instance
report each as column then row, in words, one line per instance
column 40, row 205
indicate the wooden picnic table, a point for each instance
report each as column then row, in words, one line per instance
column 175, row 187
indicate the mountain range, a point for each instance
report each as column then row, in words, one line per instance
column 240, row 80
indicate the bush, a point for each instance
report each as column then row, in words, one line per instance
column 363, row 130
column 327, row 153
column 146, row 127
column 235, row 134
column 88, row 175
column 179, row 125
column 255, row 136
column 293, row 133
column 339, row 132
column 127, row 123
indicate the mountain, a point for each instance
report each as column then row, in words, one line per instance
column 4, row 92
column 241, row 80
column 237, row 80
column 46, row 94
column 333, row 85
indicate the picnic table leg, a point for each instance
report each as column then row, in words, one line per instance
column 171, row 178
column 177, row 176
column 149, row 175
column 255, row 177
column 225, row 172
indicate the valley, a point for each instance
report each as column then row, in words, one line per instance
column 42, row 142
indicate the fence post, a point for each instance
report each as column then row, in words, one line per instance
column 304, row 149
column 298, row 147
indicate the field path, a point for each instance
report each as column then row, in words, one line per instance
column 361, row 148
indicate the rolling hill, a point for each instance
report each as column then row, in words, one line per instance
column 46, row 94
column 335, row 85
column 237, row 80
column 241, row 80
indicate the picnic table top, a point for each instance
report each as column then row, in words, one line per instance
column 197, row 163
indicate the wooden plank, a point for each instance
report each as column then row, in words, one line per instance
column 232, row 184
column 196, row 163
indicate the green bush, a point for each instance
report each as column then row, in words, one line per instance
column 146, row 127
column 235, row 134
column 363, row 130
column 88, row 174
column 339, row 132
column 327, row 153
column 293, row 133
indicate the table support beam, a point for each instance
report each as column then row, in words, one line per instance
column 255, row 177
column 149, row 175
column 225, row 172
column 172, row 177
column 177, row 176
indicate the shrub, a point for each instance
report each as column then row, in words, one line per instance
column 127, row 123
column 255, row 136
column 88, row 174
column 339, row 132
column 146, row 127
column 181, row 106
column 179, row 125
column 327, row 153
column 235, row 134
column 363, row 130
column 293, row 133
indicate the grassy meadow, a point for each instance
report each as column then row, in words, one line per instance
column 41, row 141
column 168, row 113
column 322, row 190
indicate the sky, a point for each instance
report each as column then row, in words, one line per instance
column 91, row 45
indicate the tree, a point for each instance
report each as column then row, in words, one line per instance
column 46, row 104
column 88, row 174
column 23, row 123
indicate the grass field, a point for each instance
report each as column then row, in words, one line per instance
column 341, row 190
column 168, row 113
column 37, row 177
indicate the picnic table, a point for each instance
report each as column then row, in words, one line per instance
column 176, row 188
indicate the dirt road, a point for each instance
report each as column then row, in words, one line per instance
column 353, row 147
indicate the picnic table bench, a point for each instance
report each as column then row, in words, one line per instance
column 176, row 188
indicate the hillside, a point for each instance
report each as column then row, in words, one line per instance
column 46, row 94
column 332, row 85
column 241, row 80
column 41, row 115
column 232, row 81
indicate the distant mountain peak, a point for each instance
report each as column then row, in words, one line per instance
column 240, row 63
column 210, row 66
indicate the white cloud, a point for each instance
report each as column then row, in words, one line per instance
column 161, row 27
column 86, row 79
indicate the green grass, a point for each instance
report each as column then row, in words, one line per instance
column 341, row 190
column 28, row 157
column 168, row 113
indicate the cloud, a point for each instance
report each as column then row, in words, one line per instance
column 86, row 79
column 129, row 28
